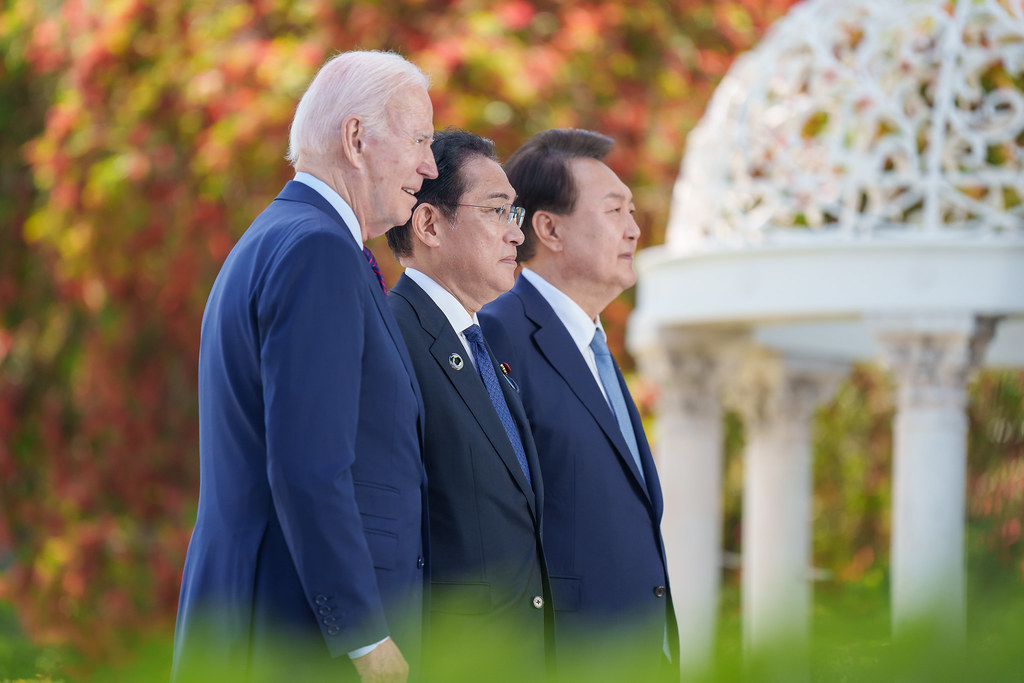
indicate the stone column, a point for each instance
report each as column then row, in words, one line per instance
column 930, row 357
column 686, row 365
column 777, row 397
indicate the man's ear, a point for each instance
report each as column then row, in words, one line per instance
column 353, row 140
column 427, row 224
column 548, row 231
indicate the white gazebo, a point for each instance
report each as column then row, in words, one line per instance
column 855, row 191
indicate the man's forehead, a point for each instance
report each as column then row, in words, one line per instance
column 410, row 108
column 485, row 177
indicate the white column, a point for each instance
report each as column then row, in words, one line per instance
column 777, row 397
column 930, row 357
column 688, row 444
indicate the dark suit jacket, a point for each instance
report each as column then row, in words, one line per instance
column 310, row 520
column 487, row 565
column 601, row 523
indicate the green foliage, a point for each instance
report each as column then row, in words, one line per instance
column 852, row 468
column 851, row 642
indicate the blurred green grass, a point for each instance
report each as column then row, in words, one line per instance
column 851, row 641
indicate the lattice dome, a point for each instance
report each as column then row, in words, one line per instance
column 863, row 120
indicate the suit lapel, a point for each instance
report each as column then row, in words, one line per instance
column 563, row 355
column 466, row 381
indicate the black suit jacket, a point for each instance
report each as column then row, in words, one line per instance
column 488, row 581
column 601, row 520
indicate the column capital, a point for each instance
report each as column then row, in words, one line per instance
column 687, row 365
column 768, row 387
column 932, row 355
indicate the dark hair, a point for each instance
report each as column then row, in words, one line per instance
column 540, row 173
column 452, row 148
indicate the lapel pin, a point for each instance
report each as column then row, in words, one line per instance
column 455, row 360
column 505, row 370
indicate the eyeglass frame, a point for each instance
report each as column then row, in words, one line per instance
column 518, row 212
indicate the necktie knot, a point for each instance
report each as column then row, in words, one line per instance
column 598, row 344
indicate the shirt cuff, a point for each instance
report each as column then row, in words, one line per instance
column 361, row 651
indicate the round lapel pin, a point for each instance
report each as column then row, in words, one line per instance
column 455, row 360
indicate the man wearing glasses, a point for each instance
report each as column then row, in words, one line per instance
column 603, row 512
column 488, row 582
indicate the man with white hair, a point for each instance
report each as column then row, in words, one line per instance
column 309, row 543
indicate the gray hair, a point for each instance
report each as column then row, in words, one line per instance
column 359, row 83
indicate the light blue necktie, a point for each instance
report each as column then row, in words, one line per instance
column 485, row 367
column 606, row 371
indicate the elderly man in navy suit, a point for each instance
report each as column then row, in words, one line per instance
column 603, row 501
column 308, row 548
column 488, row 582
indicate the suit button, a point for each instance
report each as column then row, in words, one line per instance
column 538, row 601
column 659, row 591
column 419, row 562
column 324, row 609
column 333, row 631
column 330, row 620
column 320, row 599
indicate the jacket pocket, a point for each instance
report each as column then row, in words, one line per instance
column 376, row 500
column 383, row 548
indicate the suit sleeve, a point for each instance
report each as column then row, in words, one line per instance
column 311, row 323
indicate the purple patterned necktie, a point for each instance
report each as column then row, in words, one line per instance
column 373, row 264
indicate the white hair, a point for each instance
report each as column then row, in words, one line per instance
column 359, row 83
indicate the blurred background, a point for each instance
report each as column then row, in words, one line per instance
column 139, row 138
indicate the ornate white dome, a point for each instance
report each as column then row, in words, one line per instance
column 863, row 121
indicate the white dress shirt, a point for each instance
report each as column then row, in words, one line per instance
column 335, row 200
column 580, row 325
column 457, row 315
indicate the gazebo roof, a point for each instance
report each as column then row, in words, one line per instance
column 863, row 121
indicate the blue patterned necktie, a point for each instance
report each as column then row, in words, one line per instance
column 485, row 367
column 610, row 380
column 376, row 271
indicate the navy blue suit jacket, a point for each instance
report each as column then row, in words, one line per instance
column 310, row 521
column 601, row 523
column 487, row 563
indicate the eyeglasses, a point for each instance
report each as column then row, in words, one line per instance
column 506, row 212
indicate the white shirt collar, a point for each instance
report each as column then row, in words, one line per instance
column 456, row 313
column 580, row 325
column 335, row 200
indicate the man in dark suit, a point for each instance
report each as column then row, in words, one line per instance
column 603, row 504
column 487, row 577
column 309, row 542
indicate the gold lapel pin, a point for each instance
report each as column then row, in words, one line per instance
column 455, row 360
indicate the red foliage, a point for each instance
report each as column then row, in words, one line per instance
column 155, row 133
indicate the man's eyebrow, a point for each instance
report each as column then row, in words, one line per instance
column 618, row 195
column 498, row 195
